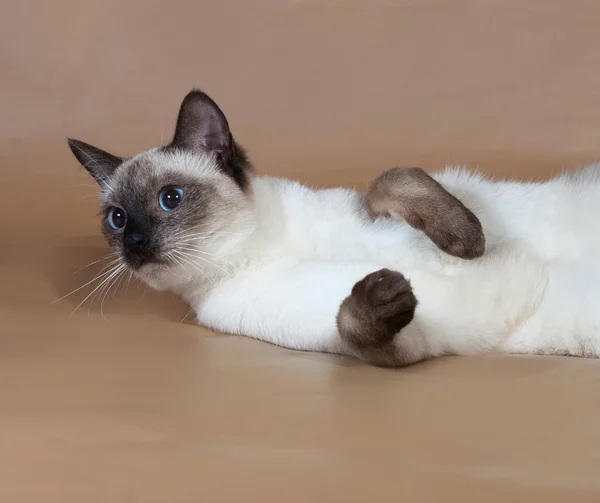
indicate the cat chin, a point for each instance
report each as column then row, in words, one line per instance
column 154, row 275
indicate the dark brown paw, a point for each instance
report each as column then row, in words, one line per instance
column 411, row 194
column 458, row 234
column 379, row 307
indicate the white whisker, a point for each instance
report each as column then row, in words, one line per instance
column 110, row 276
column 197, row 268
column 178, row 262
column 206, row 235
column 100, row 290
column 190, row 255
column 106, row 257
column 190, row 248
column 186, row 315
column 81, row 185
column 128, row 281
column 187, row 230
column 95, row 278
column 198, row 249
column 118, row 277
column 118, row 285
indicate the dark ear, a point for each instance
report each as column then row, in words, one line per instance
column 203, row 128
column 201, row 125
column 100, row 164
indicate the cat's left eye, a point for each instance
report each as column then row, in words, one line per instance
column 170, row 197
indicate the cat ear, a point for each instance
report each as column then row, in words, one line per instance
column 201, row 125
column 100, row 164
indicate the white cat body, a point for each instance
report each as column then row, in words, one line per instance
column 533, row 291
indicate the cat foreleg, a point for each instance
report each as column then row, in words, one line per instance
column 325, row 307
column 412, row 195
column 374, row 321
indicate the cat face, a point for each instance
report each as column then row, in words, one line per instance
column 168, row 213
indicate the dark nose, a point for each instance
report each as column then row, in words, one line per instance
column 135, row 241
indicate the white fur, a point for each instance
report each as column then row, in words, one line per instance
column 298, row 252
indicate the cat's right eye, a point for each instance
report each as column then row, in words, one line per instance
column 117, row 218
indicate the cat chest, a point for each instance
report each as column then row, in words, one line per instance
column 350, row 241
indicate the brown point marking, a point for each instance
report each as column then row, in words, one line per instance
column 413, row 195
column 369, row 319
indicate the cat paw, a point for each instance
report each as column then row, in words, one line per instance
column 410, row 194
column 379, row 306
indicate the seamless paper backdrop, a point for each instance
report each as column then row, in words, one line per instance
column 126, row 400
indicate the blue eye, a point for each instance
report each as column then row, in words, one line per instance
column 117, row 218
column 170, row 197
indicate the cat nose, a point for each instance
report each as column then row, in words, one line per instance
column 135, row 241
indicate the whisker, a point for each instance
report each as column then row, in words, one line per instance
column 99, row 292
column 188, row 230
column 189, row 255
column 95, row 278
column 178, row 262
column 129, row 281
column 216, row 257
column 106, row 257
column 199, row 247
column 119, row 277
column 206, row 235
column 184, row 231
column 200, row 270
column 104, row 287
column 112, row 274
column 118, row 285
column 186, row 315
column 80, row 185
column 195, row 246
column 195, row 241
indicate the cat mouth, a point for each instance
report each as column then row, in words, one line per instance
column 137, row 263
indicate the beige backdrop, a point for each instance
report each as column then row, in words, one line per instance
column 124, row 402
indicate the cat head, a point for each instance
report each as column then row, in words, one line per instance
column 168, row 213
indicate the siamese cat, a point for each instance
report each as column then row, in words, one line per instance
column 417, row 267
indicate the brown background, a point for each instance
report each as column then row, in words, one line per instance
column 126, row 403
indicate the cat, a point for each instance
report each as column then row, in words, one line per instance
column 417, row 267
